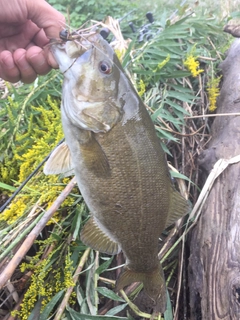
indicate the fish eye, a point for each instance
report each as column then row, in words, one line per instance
column 105, row 67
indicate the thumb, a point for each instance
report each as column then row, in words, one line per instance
column 45, row 17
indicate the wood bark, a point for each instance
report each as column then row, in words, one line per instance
column 214, row 263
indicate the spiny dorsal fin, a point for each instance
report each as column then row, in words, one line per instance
column 59, row 161
column 179, row 207
column 95, row 238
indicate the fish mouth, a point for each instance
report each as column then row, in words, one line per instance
column 67, row 51
column 76, row 45
column 58, row 50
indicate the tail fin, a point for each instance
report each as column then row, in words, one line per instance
column 153, row 282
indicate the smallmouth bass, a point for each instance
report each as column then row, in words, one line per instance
column 118, row 161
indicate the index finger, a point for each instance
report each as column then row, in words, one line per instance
column 45, row 17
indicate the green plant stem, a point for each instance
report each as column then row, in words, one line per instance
column 96, row 276
column 17, row 258
column 22, row 111
column 69, row 291
column 20, row 237
column 135, row 308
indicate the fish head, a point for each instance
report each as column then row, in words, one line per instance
column 94, row 83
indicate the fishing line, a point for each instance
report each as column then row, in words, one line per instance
column 74, row 37
column 77, row 38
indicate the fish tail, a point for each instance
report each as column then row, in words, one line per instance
column 153, row 282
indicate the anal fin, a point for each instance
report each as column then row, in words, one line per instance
column 95, row 238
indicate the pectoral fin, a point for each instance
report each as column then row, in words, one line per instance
column 59, row 161
column 95, row 159
column 179, row 207
column 95, row 238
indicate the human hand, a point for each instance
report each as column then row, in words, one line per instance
column 25, row 28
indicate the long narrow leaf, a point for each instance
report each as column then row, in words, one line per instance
column 77, row 316
column 116, row 309
column 109, row 294
column 7, row 187
column 49, row 307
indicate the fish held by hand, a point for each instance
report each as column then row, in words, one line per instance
column 118, row 161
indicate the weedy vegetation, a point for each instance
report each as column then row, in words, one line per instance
column 174, row 67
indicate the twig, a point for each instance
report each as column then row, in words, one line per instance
column 12, row 235
column 214, row 115
column 20, row 237
column 17, row 258
column 106, row 280
column 179, row 279
column 207, row 58
column 9, row 316
column 217, row 52
column 135, row 308
column 64, row 302
column 168, row 242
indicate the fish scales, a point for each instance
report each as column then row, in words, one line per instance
column 118, row 161
column 133, row 205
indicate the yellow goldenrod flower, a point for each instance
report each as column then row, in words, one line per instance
column 142, row 88
column 16, row 210
column 192, row 65
column 213, row 92
column 120, row 52
column 162, row 64
column 31, row 148
column 46, row 281
column 68, row 271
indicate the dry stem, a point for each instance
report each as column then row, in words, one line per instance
column 17, row 258
column 64, row 302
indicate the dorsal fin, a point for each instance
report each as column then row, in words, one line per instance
column 59, row 161
column 179, row 207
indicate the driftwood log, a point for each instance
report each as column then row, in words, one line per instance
column 214, row 263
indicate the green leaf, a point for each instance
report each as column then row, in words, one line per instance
column 179, row 176
column 166, row 134
column 168, row 315
column 7, row 186
column 181, row 96
column 77, row 316
column 104, row 266
column 36, row 311
column 116, row 309
column 109, row 294
column 49, row 307
column 176, row 106
column 82, row 300
column 173, row 74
